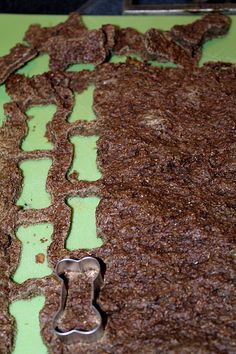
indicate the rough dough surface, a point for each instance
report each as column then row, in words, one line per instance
column 166, row 151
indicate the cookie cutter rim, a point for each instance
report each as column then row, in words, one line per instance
column 76, row 334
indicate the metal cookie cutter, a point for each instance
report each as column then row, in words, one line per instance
column 85, row 264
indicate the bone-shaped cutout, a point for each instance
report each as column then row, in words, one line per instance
column 91, row 266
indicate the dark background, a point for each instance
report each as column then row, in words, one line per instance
column 85, row 7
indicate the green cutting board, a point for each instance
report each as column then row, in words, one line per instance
column 35, row 239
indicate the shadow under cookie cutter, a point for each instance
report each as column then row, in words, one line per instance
column 83, row 265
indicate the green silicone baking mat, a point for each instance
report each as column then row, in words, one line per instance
column 36, row 238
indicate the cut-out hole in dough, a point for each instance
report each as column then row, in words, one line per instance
column 37, row 66
column 162, row 65
column 122, row 58
column 80, row 67
column 83, row 232
column 26, row 313
column 39, row 116
column 84, row 160
column 34, row 194
column 35, row 239
column 83, row 106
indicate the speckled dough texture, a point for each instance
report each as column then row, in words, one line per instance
column 71, row 43
column 166, row 151
column 18, row 56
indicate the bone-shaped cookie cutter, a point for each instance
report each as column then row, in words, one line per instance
column 85, row 264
